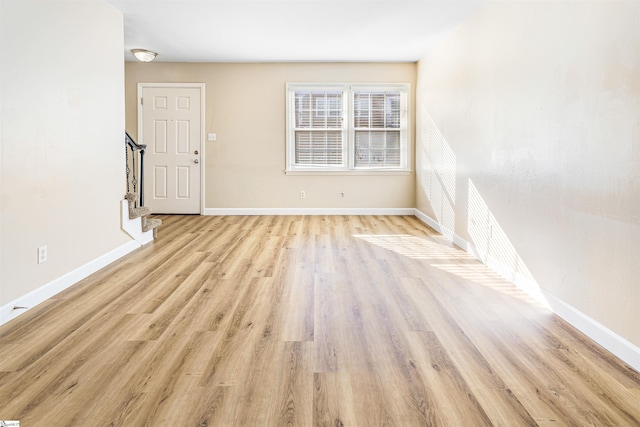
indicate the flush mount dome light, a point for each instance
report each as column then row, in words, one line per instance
column 144, row 55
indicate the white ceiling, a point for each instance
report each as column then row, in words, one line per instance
column 289, row 30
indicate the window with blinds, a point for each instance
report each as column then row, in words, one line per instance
column 376, row 123
column 347, row 127
column 318, row 128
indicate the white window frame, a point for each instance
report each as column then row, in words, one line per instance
column 348, row 130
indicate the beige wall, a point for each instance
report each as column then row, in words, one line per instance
column 62, row 118
column 528, row 146
column 245, row 107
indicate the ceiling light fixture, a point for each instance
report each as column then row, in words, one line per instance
column 144, row 55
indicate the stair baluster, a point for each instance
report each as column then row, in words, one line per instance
column 132, row 166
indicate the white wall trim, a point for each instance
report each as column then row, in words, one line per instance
column 459, row 241
column 308, row 211
column 428, row 220
column 612, row 342
column 50, row 289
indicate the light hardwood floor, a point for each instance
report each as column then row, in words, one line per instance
column 304, row 321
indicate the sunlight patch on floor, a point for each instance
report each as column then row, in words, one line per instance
column 483, row 275
column 414, row 247
column 459, row 262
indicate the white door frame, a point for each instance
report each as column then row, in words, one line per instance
column 203, row 156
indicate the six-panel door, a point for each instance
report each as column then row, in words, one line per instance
column 171, row 129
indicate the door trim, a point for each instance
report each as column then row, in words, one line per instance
column 203, row 157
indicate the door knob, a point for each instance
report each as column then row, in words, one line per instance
column 196, row 161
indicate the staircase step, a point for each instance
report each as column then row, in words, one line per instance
column 134, row 212
column 150, row 223
column 131, row 198
column 142, row 212
column 139, row 212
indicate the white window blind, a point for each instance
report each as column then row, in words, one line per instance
column 347, row 127
column 318, row 128
column 376, row 117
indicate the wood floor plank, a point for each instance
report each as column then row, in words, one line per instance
column 456, row 402
column 304, row 321
column 42, row 380
column 298, row 318
column 412, row 401
column 332, row 400
column 477, row 372
column 294, row 405
column 91, row 385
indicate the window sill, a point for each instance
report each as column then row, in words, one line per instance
column 347, row 172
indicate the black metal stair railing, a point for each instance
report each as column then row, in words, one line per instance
column 134, row 155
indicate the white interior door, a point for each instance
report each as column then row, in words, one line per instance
column 172, row 130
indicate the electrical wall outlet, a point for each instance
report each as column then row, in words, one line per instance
column 303, row 194
column 42, row 254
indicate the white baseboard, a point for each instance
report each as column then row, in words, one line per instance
column 459, row 241
column 428, row 220
column 50, row 289
column 612, row 342
column 308, row 211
